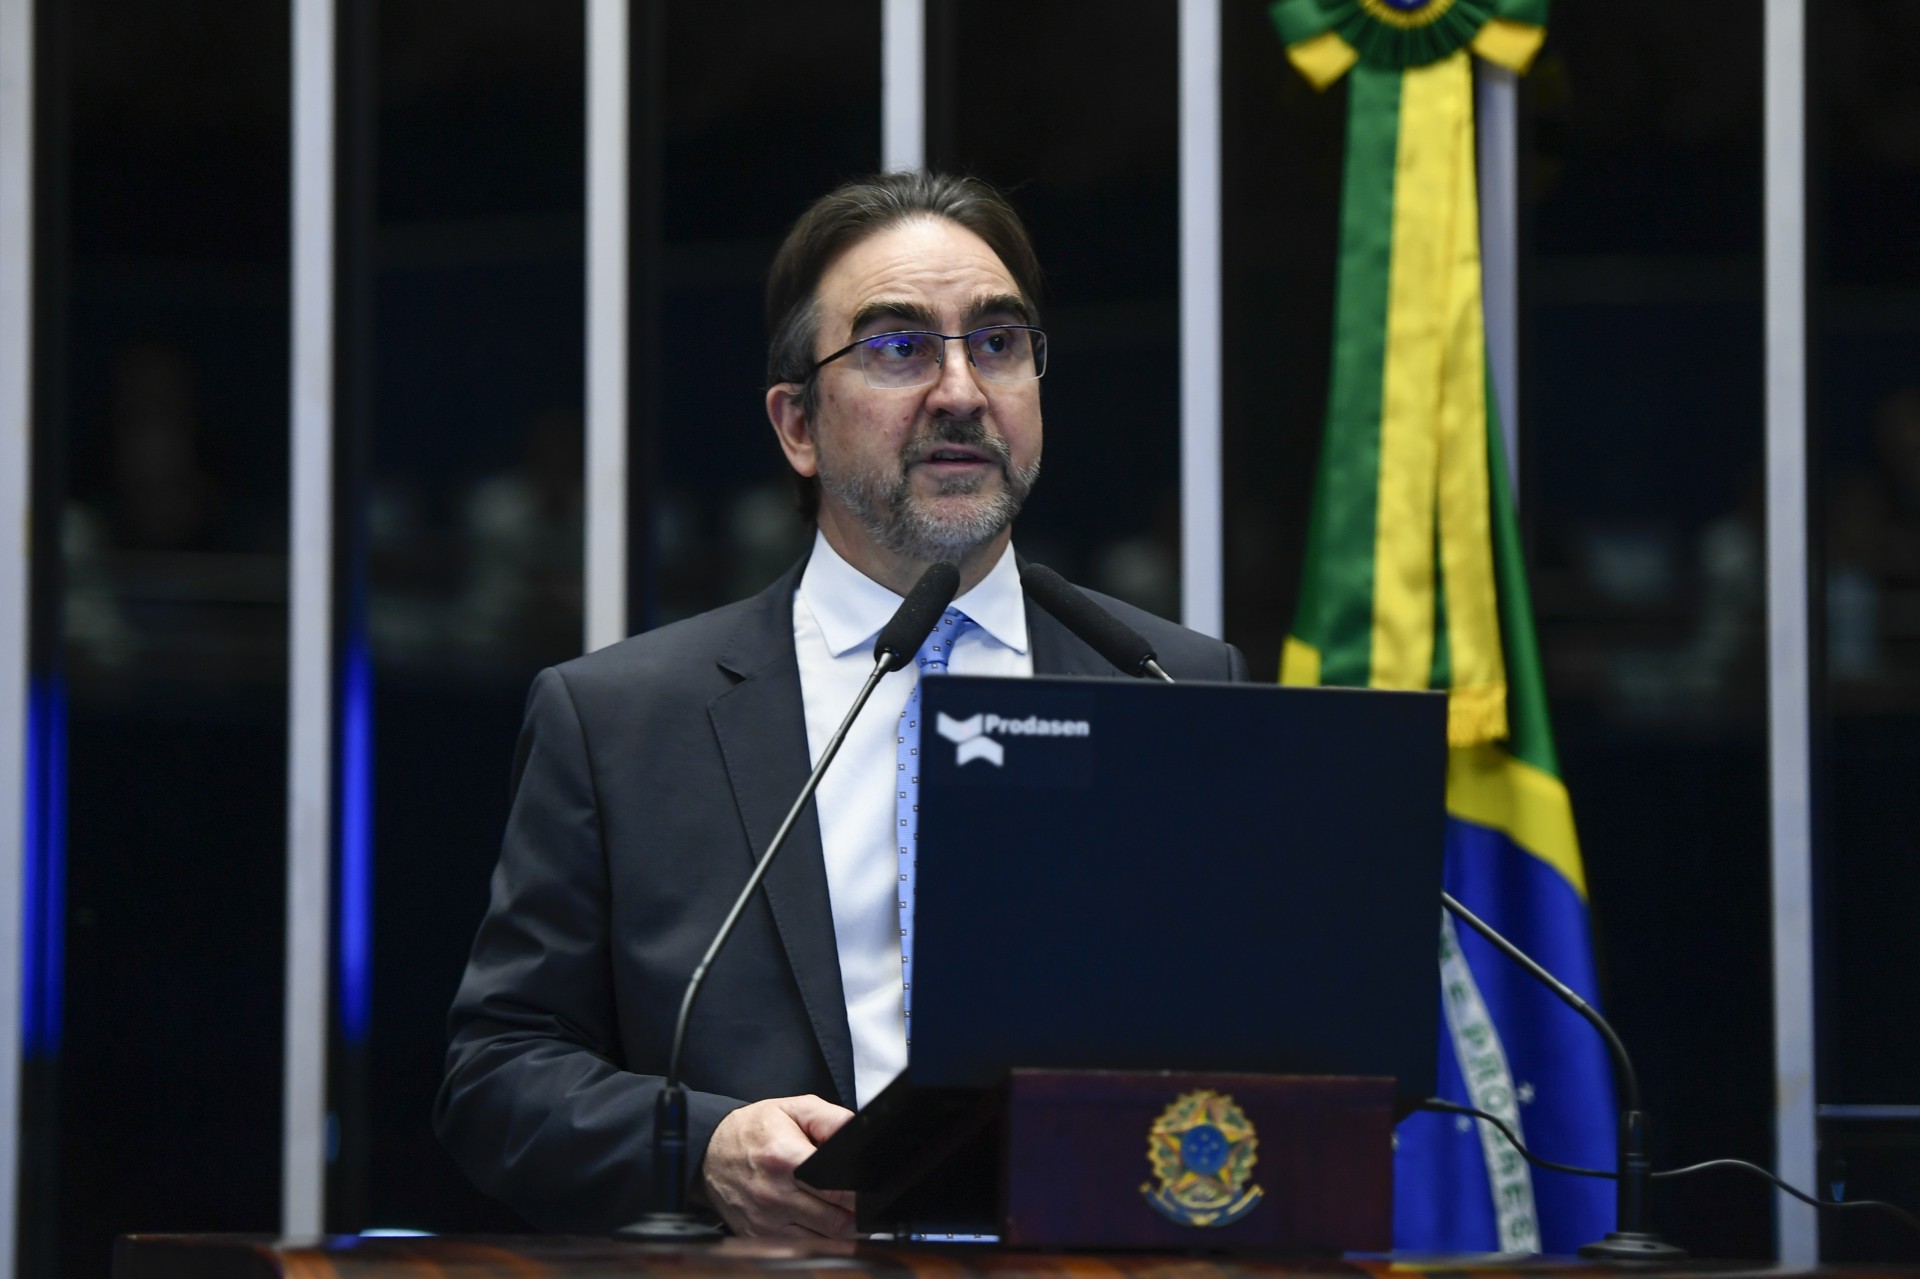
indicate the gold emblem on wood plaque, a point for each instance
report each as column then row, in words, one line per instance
column 1202, row 1150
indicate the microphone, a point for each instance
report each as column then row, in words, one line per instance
column 899, row 640
column 1104, row 633
column 913, row 621
column 1632, row 1238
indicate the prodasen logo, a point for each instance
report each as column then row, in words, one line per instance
column 965, row 734
column 971, row 741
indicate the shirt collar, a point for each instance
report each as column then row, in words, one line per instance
column 851, row 607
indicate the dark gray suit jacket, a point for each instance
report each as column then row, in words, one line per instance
column 648, row 778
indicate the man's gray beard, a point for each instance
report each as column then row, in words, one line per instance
column 898, row 521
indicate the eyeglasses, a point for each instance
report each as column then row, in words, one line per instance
column 900, row 361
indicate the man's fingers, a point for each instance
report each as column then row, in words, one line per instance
column 748, row 1170
column 817, row 1118
column 794, row 1210
column 818, row 1216
column 838, row 1198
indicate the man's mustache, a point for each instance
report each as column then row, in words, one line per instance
column 963, row 432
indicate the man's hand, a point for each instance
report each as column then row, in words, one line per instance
column 748, row 1173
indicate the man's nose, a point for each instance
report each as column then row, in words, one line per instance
column 957, row 392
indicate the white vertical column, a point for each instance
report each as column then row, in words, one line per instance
column 608, row 57
column 16, row 417
column 903, row 85
column 1788, row 626
column 310, row 623
column 1498, row 142
column 1202, row 569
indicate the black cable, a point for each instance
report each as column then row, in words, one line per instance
column 1452, row 1108
column 1906, row 1218
column 1435, row 1103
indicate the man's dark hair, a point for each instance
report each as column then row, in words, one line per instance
column 844, row 217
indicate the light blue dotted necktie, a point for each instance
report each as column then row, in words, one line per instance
column 932, row 660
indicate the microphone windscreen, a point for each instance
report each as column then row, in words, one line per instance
column 1106, row 634
column 914, row 620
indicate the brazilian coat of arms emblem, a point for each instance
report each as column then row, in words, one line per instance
column 1201, row 1149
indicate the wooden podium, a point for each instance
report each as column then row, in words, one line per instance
column 1131, row 1160
column 557, row 1257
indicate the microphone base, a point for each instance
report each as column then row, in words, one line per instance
column 670, row 1227
column 1632, row 1245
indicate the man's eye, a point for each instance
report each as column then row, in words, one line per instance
column 895, row 346
column 994, row 342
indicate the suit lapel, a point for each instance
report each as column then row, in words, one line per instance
column 762, row 729
column 1058, row 651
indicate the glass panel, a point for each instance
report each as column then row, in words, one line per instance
column 473, row 526
column 1079, row 122
column 1642, row 382
column 760, row 115
column 1864, row 165
column 1281, row 158
column 165, row 395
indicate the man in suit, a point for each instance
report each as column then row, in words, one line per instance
column 652, row 774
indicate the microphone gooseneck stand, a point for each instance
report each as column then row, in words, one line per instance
column 1100, row 630
column 900, row 639
column 1632, row 1238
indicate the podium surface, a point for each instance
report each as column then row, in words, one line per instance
column 564, row 1257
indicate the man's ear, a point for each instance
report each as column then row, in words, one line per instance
column 791, row 425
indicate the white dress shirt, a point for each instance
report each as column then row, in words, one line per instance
column 837, row 613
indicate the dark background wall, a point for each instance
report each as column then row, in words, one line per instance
column 164, row 394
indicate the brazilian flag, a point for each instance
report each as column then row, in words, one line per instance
column 1414, row 579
